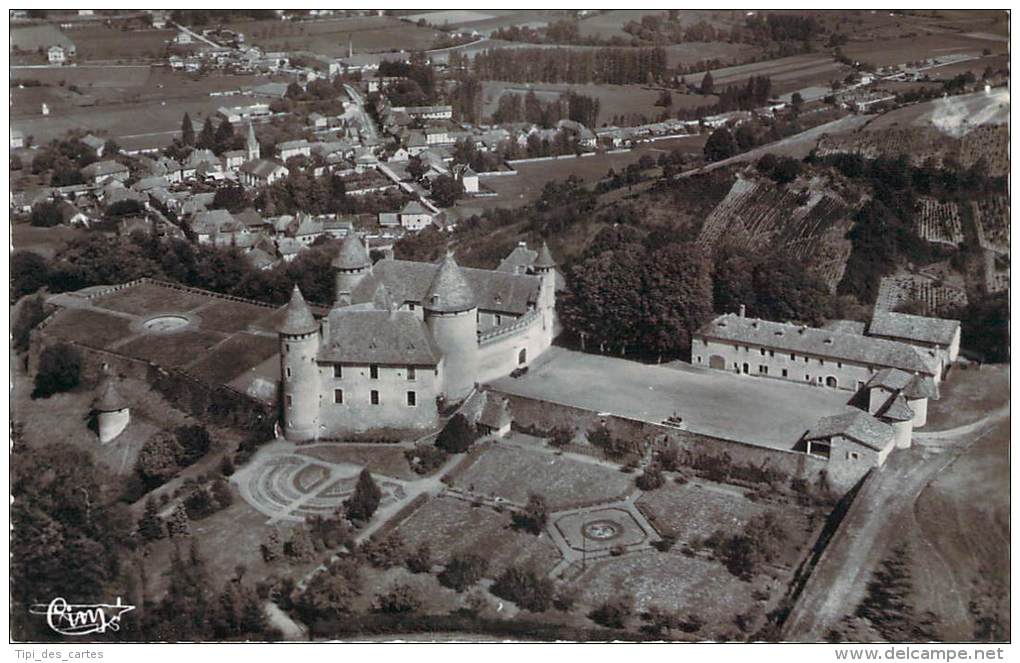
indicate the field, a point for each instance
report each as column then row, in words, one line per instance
column 330, row 36
column 513, row 473
column 613, row 99
column 938, row 222
column 451, row 526
column 991, row 215
column 885, row 52
column 609, row 24
column 98, row 42
column 46, row 242
column 787, row 74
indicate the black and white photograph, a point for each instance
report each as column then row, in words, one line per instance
column 493, row 326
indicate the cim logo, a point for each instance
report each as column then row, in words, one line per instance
column 82, row 619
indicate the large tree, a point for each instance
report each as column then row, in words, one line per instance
column 365, row 500
column 187, row 131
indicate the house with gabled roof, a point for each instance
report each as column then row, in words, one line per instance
column 261, row 172
column 99, row 173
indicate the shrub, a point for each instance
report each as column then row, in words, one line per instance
column 227, row 466
column 666, row 543
column 300, row 545
column 565, row 597
column 272, row 547
column 330, row 532
column 615, row 612
column 526, row 588
column 651, row 479
column 222, row 493
column 365, row 500
column 199, row 503
column 30, row 314
column 385, row 552
column 59, row 370
column 400, row 598
column 425, row 458
column 420, row 560
column 534, row 516
column 560, row 436
column 462, row 571
column 457, row 436
column 193, row 442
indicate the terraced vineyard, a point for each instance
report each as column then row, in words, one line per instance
column 991, row 220
column 809, row 220
column 938, row 222
column 934, row 295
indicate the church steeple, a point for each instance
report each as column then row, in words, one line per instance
column 252, row 144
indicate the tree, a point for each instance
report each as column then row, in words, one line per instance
column 416, row 168
column 187, row 131
column 420, row 561
column 300, row 546
column 222, row 494
column 707, row 84
column 385, row 552
column 199, row 503
column 59, row 370
column 193, row 442
column 528, row 589
column 365, row 500
column 446, row 190
column 720, row 145
column 561, row 436
column 797, row 102
column 401, row 598
column 272, row 547
column 177, row 525
column 534, row 516
column 677, row 294
column 207, row 138
column 29, row 272
column 231, row 198
column 332, row 592
column 150, row 525
column 457, row 436
column 30, row 313
column 615, row 612
column 651, row 478
column 462, row 571
column 157, row 460
column 45, row 215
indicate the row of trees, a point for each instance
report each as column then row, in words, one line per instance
column 615, row 66
column 570, row 105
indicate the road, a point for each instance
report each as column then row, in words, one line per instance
column 884, row 507
column 196, row 35
column 368, row 126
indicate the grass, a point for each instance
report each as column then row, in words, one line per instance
column 452, row 526
column 967, row 395
column 228, row 316
column 93, row 328
column 514, row 473
column 233, row 356
column 173, row 350
column 47, row 242
column 330, row 36
column 147, row 299
column 388, row 461
column 98, row 42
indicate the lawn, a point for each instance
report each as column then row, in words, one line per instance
column 98, row 42
column 172, row 350
column 452, row 526
column 967, row 395
column 378, row 459
column 47, row 242
column 229, row 316
column 147, row 299
column 330, row 36
column 513, row 473
column 92, row 328
column 237, row 354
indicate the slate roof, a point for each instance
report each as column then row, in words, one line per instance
column 298, row 319
column 415, row 207
column 518, row 260
column 370, row 336
column 352, row 254
column 155, row 182
column 409, row 281
column 103, row 168
column 293, row 145
column 896, row 409
column 214, row 221
column 95, row 142
column 858, row 426
column 876, row 352
column 891, row 378
column 496, row 412
column 923, row 386
column 914, row 327
column 845, row 326
column 545, row 259
column 250, row 218
column 261, row 168
column 449, row 291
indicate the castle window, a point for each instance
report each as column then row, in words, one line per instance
column 410, row 373
column 762, row 352
column 499, row 319
column 412, row 399
column 793, row 357
column 375, row 397
column 763, row 369
column 410, row 306
column 338, row 371
column 286, row 347
column 852, row 455
column 785, row 373
column 373, row 372
column 290, row 400
column 772, row 353
column 288, row 371
column 338, row 396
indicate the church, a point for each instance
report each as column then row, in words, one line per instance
column 403, row 339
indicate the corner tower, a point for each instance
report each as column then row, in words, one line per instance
column 349, row 266
column 451, row 314
column 545, row 267
column 111, row 410
column 299, row 345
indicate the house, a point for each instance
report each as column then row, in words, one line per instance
column 201, row 164
column 98, row 173
column 260, row 259
column 216, row 226
column 317, row 121
column 852, row 442
column 183, row 38
column 96, row 144
column 429, row 112
column 582, row 134
column 494, row 419
column 72, row 216
column 401, row 154
column 293, row 148
column 468, row 178
column 252, row 220
column 437, row 136
column 158, row 19
column 415, row 216
column 146, row 184
column 261, row 172
column 308, row 229
column 56, row 54
column 416, row 143
column 937, row 334
column 234, row 159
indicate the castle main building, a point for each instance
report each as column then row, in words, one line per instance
column 404, row 336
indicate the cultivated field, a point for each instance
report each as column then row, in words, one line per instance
column 330, row 36
column 47, row 242
column 451, row 526
column 98, row 42
column 938, row 222
column 885, row 52
column 787, row 74
column 513, row 473
column 991, row 217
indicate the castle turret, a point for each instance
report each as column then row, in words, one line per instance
column 299, row 345
column 349, row 266
column 545, row 267
column 111, row 410
column 451, row 314
column 252, row 144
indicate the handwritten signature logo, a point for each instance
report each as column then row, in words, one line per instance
column 81, row 618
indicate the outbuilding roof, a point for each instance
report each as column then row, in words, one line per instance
column 858, row 426
column 915, row 328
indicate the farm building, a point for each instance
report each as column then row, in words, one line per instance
column 101, row 172
column 293, row 148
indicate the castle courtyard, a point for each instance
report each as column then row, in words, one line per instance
column 759, row 411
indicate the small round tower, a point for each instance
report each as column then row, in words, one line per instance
column 545, row 267
column 111, row 410
column 350, row 265
column 299, row 345
column 451, row 314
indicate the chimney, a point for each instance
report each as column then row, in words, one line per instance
column 743, row 310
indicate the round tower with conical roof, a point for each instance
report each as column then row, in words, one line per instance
column 299, row 345
column 350, row 265
column 545, row 267
column 451, row 314
column 111, row 410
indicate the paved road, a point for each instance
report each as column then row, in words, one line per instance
column 883, row 508
column 366, row 121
